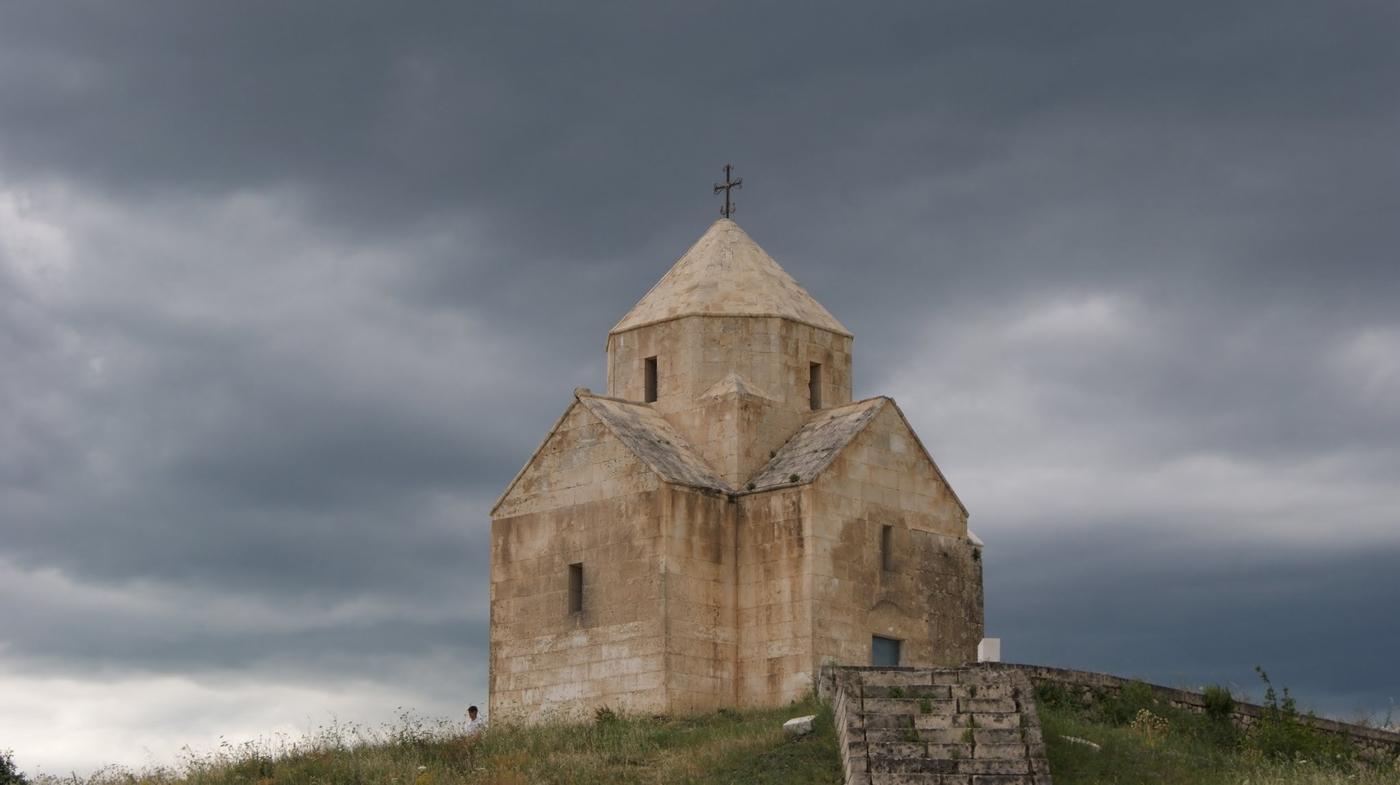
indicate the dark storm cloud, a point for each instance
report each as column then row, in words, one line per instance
column 287, row 295
column 565, row 118
column 1198, row 614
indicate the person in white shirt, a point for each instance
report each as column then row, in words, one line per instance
column 475, row 724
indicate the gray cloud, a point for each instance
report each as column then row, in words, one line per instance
column 287, row 296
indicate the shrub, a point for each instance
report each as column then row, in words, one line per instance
column 604, row 716
column 1051, row 695
column 1122, row 707
column 1220, row 704
column 9, row 772
column 896, row 692
column 1281, row 732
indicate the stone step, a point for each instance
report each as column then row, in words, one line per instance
column 892, row 677
column 1008, row 719
column 970, row 726
column 912, row 706
column 986, row 705
column 911, row 765
column 937, row 691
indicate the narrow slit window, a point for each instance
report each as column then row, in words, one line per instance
column 649, row 376
column 576, row 588
column 887, row 548
column 814, row 385
column 884, row 652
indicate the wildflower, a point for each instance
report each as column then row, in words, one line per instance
column 1150, row 726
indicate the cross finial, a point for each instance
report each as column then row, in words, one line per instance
column 728, row 185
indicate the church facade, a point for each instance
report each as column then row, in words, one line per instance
column 726, row 519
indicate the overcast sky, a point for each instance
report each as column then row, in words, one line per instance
column 289, row 293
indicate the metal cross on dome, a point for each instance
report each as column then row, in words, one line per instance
column 728, row 185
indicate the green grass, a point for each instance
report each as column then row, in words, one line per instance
column 1169, row 747
column 723, row 747
column 1184, row 751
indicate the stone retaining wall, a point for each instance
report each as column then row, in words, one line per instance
column 925, row 726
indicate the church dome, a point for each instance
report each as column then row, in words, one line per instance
column 726, row 273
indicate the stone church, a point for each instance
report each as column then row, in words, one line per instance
column 725, row 520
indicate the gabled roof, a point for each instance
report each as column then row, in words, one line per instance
column 725, row 273
column 646, row 434
column 815, row 445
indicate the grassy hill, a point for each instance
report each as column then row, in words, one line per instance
column 1134, row 737
column 724, row 747
column 1130, row 739
column 1132, row 755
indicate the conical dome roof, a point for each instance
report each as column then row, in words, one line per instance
column 725, row 273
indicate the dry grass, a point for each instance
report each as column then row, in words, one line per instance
column 747, row 748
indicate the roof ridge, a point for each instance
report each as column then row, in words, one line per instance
column 584, row 392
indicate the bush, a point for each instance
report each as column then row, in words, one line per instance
column 1217, row 725
column 9, row 773
column 1053, row 696
column 1281, row 732
column 1220, row 704
column 604, row 716
column 1123, row 707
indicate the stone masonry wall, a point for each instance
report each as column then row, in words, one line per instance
column 774, row 614
column 738, row 430
column 699, row 598
column 587, row 499
column 920, row 726
column 696, row 352
column 931, row 597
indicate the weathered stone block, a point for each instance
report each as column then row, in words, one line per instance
column 934, row 721
column 890, row 706
column 955, row 751
column 897, row 678
column 800, row 726
column 999, row 779
column 887, row 750
column 987, row 705
column 998, row 736
column 1010, row 719
column 994, row 766
column 1000, row 751
column 948, row 735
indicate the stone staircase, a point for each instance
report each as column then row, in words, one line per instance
column 925, row 726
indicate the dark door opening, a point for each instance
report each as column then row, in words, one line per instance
column 884, row 652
